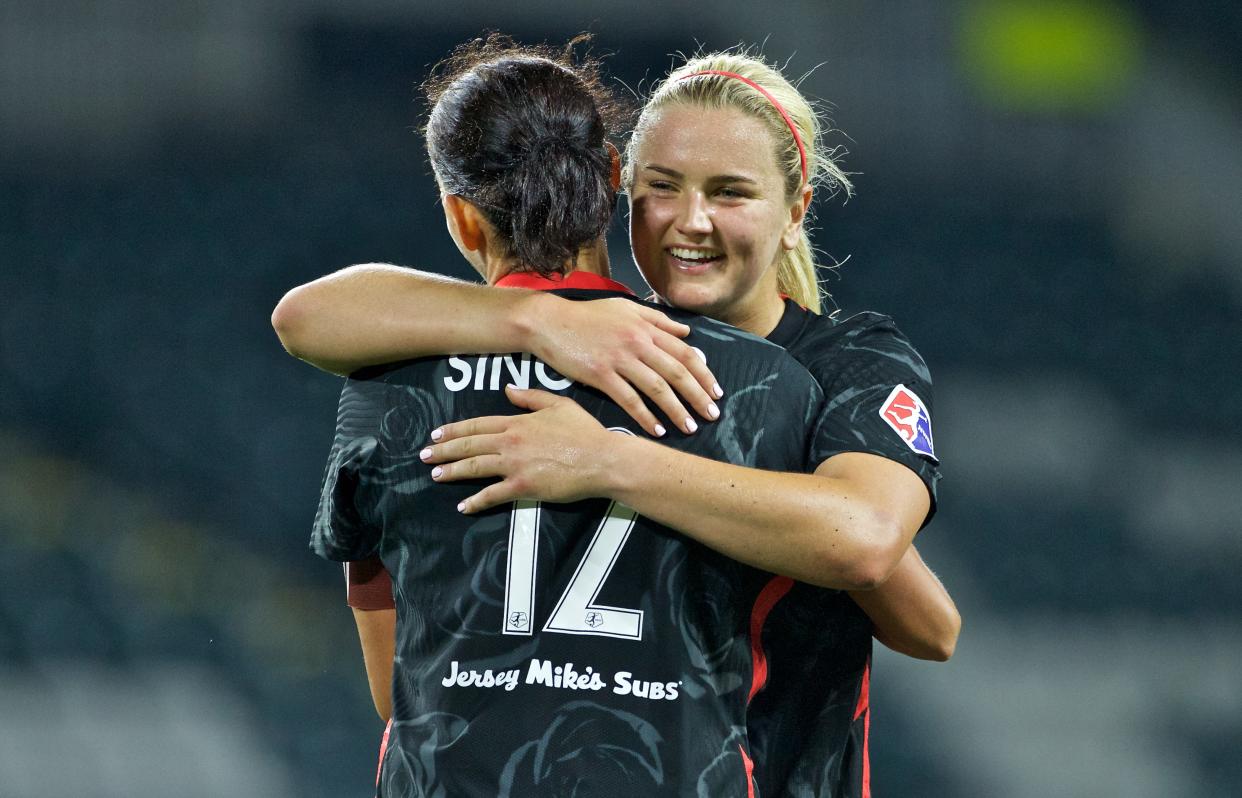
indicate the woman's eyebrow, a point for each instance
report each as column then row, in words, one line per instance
column 664, row 170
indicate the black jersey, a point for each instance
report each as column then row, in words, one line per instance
column 557, row 649
column 809, row 725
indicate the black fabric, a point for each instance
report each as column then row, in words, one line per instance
column 806, row 733
column 512, row 723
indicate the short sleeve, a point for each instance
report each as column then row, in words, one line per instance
column 878, row 400
column 368, row 585
column 344, row 526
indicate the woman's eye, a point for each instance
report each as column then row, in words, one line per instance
column 731, row 193
column 660, row 185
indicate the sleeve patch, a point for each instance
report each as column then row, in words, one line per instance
column 906, row 414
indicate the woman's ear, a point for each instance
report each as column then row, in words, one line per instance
column 797, row 214
column 464, row 223
column 614, row 172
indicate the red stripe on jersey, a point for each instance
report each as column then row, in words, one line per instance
column 866, row 791
column 383, row 750
column 750, row 772
column 772, row 592
column 571, row 280
column 864, row 694
column 864, row 709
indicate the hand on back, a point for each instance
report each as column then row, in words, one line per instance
column 550, row 454
column 629, row 351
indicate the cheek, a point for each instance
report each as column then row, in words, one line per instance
column 647, row 218
column 753, row 233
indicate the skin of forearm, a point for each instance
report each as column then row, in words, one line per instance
column 377, row 634
column 812, row 528
column 912, row 612
column 376, row 313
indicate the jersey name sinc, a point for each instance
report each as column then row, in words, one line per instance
column 493, row 372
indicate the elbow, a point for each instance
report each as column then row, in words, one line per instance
column 863, row 575
column 941, row 648
column 931, row 645
column 289, row 320
column 940, row 644
column 870, row 558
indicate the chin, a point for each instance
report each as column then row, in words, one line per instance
column 692, row 298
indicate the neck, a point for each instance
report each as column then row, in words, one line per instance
column 761, row 319
column 592, row 258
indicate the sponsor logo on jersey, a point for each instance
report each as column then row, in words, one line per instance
column 906, row 414
column 545, row 673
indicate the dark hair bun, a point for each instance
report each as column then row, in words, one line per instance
column 524, row 136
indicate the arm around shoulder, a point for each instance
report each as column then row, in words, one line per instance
column 375, row 313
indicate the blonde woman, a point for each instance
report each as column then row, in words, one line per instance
column 720, row 172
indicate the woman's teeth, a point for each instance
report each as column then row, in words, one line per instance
column 695, row 255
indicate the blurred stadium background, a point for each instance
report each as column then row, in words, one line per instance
column 1048, row 204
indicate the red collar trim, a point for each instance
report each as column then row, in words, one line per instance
column 571, row 280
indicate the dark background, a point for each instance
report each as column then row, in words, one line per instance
column 1047, row 203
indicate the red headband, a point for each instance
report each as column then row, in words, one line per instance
column 771, row 99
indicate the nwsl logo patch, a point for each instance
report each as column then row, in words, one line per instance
column 905, row 412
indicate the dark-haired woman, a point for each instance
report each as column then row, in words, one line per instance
column 633, row 681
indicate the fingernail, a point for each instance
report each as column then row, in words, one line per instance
column 461, row 507
column 713, row 412
column 425, row 454
column 436, row 472
column 716, row 390
column 437, row 434
column 691, row 426
column 660, row 430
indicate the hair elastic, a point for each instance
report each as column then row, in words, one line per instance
column 771, row 99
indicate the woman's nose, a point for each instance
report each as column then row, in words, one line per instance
column 695, row 216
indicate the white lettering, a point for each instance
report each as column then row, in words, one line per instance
column 548, row 381
column 539, row 672
column 488, row 678
column 626, row 684
column 561, row 677
column 519, row 376
column 493, row 372
column 462, row 366
column 480, row 372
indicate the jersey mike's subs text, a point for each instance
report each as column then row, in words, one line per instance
column 543, row 673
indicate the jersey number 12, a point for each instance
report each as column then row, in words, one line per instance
column 576, row 613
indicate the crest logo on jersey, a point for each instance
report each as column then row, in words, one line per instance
column 905, row 412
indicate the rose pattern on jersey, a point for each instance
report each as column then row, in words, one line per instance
column 404, row 431
column 588, row 749
column 410, row 769
column 697, row 600
column 727, row 772
column 741, row 448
